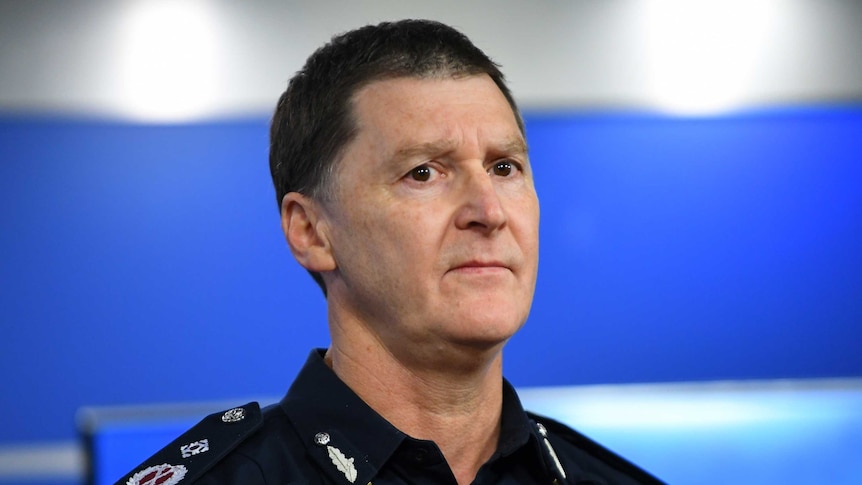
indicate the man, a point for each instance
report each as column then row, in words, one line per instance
column 401, row 170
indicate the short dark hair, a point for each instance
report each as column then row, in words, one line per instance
column 314, row 120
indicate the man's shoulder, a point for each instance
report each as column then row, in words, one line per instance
column 199, row 449
column 577, row 451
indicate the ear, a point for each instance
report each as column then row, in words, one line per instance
column 305, row 232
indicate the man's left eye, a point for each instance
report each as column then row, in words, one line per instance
column 503, row 168
column 422, row 173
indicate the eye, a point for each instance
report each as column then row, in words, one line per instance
column 503, row 168
column 422, row 173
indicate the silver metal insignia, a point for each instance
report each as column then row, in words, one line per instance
column 556, row 459
column 196, row 448
column 544, row 433
column 344, row 464
column 542, row 430
column 233, row 416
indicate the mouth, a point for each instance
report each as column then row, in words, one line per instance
column 481, row 267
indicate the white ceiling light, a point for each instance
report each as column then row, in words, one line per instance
column 168, row 60
column 701, row 54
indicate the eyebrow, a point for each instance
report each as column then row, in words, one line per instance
column 429, row 148
column 514, row 145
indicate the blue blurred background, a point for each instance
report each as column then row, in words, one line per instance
column 699, row 170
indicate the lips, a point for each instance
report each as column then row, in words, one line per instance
column 480, row 267
column 482, row 264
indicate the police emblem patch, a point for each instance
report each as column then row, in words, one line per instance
column 163, row 474
column 196, row 448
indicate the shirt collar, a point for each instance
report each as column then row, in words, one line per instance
column 323, row 408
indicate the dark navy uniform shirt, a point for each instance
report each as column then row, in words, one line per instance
column 323, row 433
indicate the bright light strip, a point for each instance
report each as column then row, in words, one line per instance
column 650, row 412
column 688, row 407
column 168, row 68
column 701, row 54
column 662, row 414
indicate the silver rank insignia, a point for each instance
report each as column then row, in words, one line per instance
column 235, row 415
column 341, row 462
column 196, row 448
column 544, row 433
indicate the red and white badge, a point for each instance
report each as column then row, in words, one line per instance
column 163, row 474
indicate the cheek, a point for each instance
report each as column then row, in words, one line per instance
column 525, row 218
column 397, row 236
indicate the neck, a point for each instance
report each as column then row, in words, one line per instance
column 458, row 406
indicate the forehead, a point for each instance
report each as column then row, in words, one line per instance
column 395, row 113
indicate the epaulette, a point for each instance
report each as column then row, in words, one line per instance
column 594, row 449
column 199, row 449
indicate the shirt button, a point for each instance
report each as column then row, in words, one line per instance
column 420, row 456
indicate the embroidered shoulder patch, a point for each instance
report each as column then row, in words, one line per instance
column 163, row 474
column 198, row 449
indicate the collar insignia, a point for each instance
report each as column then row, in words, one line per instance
column 343, row 463
column 544, row 433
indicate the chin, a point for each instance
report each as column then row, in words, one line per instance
column 487, row 332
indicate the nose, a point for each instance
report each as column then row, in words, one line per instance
column 481, row 207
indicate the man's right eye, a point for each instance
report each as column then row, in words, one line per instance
column 422, row 173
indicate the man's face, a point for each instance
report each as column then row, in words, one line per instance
column 434, row 223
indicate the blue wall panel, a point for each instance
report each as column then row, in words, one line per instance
column 145, row 264
column 681, row 249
